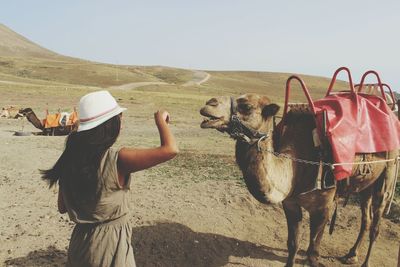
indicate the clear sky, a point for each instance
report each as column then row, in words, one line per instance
column 310, row 36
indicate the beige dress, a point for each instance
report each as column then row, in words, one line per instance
column 102, row 235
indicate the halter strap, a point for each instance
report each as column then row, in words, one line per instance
column 238, row 129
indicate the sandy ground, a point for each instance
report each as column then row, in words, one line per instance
column 181, row 214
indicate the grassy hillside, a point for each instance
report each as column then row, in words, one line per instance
column 269, row 83
column 21, row 58
column 14, row 44
column 24, row 64
column 80, row 72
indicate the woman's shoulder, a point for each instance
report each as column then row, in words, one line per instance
column 109, row 168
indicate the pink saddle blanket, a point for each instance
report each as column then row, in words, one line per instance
column 357, row 123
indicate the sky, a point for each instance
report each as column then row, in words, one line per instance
column 305, row 37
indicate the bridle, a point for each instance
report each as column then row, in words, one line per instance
column 238, row 130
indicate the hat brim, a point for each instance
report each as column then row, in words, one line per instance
column 84, row 126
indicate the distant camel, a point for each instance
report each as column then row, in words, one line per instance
column 11, row 112
column 272, row 178
column 56, row 128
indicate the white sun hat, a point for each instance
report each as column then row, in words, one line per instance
column 96, row 108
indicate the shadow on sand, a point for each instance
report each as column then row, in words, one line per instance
column 40, row 258
column 174, row 244
column 170, row 244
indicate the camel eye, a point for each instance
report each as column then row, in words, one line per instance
column 212, row 102
column 245, row 107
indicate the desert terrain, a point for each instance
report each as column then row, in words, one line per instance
column 192, row 211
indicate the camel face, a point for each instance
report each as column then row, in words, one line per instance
column 251, row 109
column 217, row 113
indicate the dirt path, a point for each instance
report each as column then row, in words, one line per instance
column 129, row 86
column 199, row 77
column 41, row 84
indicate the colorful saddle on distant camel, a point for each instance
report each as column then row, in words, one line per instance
column 60, row 119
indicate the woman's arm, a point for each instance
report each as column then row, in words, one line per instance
column 133, row 160
column 60, row 203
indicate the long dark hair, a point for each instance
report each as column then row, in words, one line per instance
column 79, row 163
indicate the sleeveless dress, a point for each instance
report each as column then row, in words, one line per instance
column 102, row 234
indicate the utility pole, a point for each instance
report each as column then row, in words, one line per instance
column 116, row 74
column 116, row 71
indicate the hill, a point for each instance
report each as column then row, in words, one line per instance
column 13, row 44
column 26, row 63
column 23, row 61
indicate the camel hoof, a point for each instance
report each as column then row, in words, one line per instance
column 349, row 259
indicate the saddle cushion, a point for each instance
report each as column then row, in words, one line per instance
column 54, row 120
column 356, row 123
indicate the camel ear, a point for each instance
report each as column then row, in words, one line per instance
column 270, row 110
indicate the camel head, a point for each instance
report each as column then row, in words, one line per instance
column 253, row 110
column 25, row 111
column 249, row 119
column 31, row 116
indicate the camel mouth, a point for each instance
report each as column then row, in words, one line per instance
column 211, row 121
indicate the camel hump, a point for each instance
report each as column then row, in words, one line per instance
column 300, row 107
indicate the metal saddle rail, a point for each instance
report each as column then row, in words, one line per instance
column 379, row 84
column 287, row 96
column 311, row 105
column 333, row 80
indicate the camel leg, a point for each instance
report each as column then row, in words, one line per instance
column 318, row 220
column 366, row 209
column 374, row 231
column 293, row 217
column 379, row 201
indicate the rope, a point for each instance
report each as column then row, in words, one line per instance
column 365, row 162
column 331, row 165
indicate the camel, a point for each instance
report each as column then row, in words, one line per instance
column 53, row 128
column 11, row 112
column 273, row 178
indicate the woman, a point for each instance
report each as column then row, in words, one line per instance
column 94, row 181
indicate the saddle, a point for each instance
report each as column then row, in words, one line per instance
column 349, row 122
column 60, row 119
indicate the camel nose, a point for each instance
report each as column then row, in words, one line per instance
column 203, row 111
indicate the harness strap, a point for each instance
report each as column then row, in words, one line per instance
column 237, row 129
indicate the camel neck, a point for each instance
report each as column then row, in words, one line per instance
column 267, row 176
